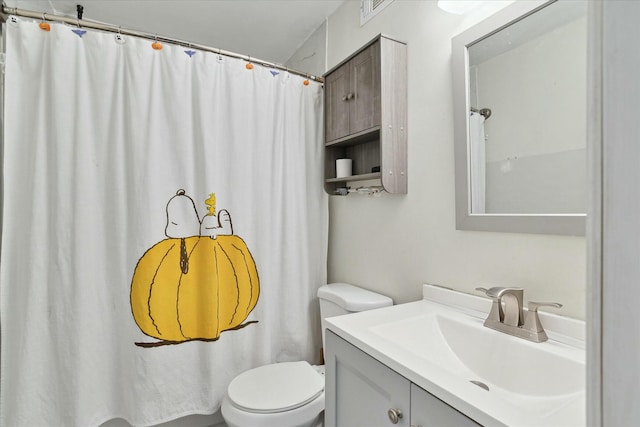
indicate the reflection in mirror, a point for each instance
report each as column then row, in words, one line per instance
column 520, row 93
column 532, row 75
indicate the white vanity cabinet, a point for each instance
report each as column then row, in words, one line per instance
column 429, row 411
column 361, row 391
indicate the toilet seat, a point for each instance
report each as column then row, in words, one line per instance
column 276, row 388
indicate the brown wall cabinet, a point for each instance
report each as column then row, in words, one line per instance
column 366, row 116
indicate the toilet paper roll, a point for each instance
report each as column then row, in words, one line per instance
column 343, row 168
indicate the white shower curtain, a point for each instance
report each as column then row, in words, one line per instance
column 477, row 162
column 111, row 151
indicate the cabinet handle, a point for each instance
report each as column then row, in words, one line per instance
column 394, row 415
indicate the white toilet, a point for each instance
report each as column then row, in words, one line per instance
column 291, row 394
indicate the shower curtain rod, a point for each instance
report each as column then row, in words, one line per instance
column 116, row 29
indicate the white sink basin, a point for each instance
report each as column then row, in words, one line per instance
column 461, row 344
column 516, row 365
column 496, row 378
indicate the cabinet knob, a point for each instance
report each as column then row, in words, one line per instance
column 348, row 97
column 394, row 415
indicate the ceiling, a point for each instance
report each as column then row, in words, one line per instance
column 271, row 30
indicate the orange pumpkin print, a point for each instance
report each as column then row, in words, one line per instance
column 194, row 287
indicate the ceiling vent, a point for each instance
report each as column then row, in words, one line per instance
column 370, row 8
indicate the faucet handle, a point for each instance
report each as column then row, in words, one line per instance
column 499, row 291
column 495, row 314
column 532, row 323
column 532, row 307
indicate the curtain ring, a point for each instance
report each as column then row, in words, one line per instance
column 119, row 38
column 44, row 25
column 156, row 45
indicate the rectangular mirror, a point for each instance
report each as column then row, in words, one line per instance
column 519, row 85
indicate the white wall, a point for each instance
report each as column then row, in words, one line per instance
column 311, row 55
column 394, row 243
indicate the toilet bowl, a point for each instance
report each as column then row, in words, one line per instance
column 276, row 395
column 291, row 394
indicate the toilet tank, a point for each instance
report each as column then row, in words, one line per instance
column 342, row 298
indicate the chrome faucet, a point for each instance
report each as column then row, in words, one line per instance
column 507, row 314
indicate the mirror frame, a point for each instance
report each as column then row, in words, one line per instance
column 564, row 224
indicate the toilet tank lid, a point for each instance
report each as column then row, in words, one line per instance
column 353, row 298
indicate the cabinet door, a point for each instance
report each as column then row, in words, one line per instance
column 429, row 411
column 365, row 103
column 360, row 390
column 336, row 110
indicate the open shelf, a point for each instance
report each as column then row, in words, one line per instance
column 361, row 177
column 357, row 138
column 365, row 156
